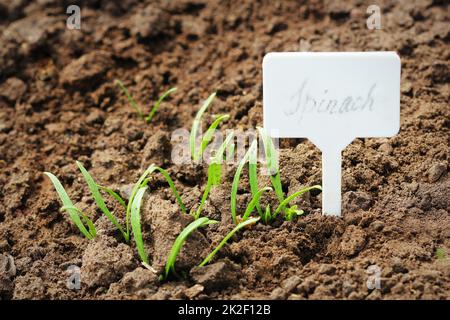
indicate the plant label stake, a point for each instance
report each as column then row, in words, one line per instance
column 331, row 98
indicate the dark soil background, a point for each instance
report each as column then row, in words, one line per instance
column 58, row 104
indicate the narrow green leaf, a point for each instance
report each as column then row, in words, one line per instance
column 284, row 203
column 129, row 97
column 99, row 200
column 267, row 215
column 179, row 241
column 90, row 224
column 196, row 125
column 236, row 178
column 157, row 103
column 227, row 237
column 73, row 214
column 253, row 202
column 214, row 173
column 113, row 194
column 143, row 180
column 253, row 175
column 207, row 137
column 272, row 163
column 136, row 223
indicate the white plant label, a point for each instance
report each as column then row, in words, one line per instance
column 331, row 98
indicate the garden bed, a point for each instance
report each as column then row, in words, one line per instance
column 59, row 103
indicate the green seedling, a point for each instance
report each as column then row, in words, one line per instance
column 207, row 137
column 93, row 187
column 235, row 184
column 179, row 241
column 214, row 173
column 113, row 194
column 252, row 204
column 142, row 182
column 136, row 107
column 241, row 225
column 272, row 163
column 136, row 223
column 272, row 166
column 74, row 213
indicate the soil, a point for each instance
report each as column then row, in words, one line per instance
column 58, row 104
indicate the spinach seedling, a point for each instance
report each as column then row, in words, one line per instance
column 74, row 213
column 214, row 173
column 136, row 107
column 142, row 182
column 207, row 137
column 241, row 225
column 176, row 248
column 136, row 223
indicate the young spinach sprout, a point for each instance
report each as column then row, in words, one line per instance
column 197, row 154
column 227, row 237
column 271, row 155
column 214, row 173
column 93, row 187
column 252, row 204
column 113, row 194
column 133, row 103
column 74, row 213
column 253, row 174
column 157, row 103
column 143, row 181
column 286, row 201
column 237, row 177
column 176, row 248
column 136, row 223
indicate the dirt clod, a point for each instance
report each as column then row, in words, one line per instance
column 105, row 261
column 164, row 221
column 139, row 283
column 216, row 276
column 86, row 71
column 353, row 241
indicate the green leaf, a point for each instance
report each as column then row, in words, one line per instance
column 267, row 216
column 284, row 203
column 86, row 220
column 129, row 97
column 219, row 154
column 136, row 223
column 253, row 202
column 293, row 212
column 214, row 173
column 207, row 137
column 236, row 178
column 99, row 200
column 73, row 213
column 253, row 174
column 227, row 237
column 143, row 181
column 196, row 125
column 157, row 103
column 113, row 194
column 272, row 163
column 179, row 241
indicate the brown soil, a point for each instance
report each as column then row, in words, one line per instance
column 58, row 104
